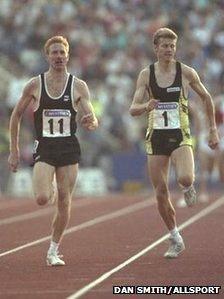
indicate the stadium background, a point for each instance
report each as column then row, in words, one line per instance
column 110, row 42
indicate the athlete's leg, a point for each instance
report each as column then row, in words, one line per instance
column 43, row 174
column 158, row 167
column 183, row 161
column 66, row 178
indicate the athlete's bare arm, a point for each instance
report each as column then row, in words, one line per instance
column 82, row 101
column 141, row 102
column 29, row 94
column 196, row 84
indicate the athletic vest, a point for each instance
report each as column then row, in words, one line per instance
column 167, row 94
column 55, row 118
column 172, row 110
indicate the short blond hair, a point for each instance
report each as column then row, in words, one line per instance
column 164, row 33
column 57, row 39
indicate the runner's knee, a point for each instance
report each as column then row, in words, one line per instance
column 185, row 180
column 64, row 201
column 63, row 195
column 42, row 199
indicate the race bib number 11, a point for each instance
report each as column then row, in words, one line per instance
column 56, row 123
column 166, row 116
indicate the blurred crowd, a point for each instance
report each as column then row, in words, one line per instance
column 110, row 42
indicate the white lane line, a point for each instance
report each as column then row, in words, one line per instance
column 97, row 220
column 106, row 275
column 26, row 216
column 35, row 214
column 43, row 212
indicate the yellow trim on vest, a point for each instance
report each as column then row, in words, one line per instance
column 184, row 122
column 184, row 125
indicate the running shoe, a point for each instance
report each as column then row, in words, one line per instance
column 175, row 248
column 190, row 196
column 54, row 259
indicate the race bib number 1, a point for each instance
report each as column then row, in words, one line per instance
column 166, row 116
column 56, row 123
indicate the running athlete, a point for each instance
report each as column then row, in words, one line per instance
column 161, row 92
column 56, row 96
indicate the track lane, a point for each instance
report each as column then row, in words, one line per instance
column 88, row 253
column 78, row 251
column 192, row 268
column 14, row 235
column 201, row 263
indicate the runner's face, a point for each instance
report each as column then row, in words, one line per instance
column 57, row 56
column 165, row 49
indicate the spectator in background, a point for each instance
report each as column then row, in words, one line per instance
column 209, row 160
column 4, row 140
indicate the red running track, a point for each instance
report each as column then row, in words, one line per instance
column 102, row 235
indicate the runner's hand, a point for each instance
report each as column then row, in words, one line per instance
column 152, row 104
column 213, row 138
column 89, row 122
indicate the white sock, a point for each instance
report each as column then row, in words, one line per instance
column 174, row 233
column 53, row 247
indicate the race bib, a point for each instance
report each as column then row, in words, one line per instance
column 56, row 123
column 166, row 116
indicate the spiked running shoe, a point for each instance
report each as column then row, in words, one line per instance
column 175, row 248
column 54, row 259
column 190, row 196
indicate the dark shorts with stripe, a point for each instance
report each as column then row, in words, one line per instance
column 164, row 142
column 58, row 155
